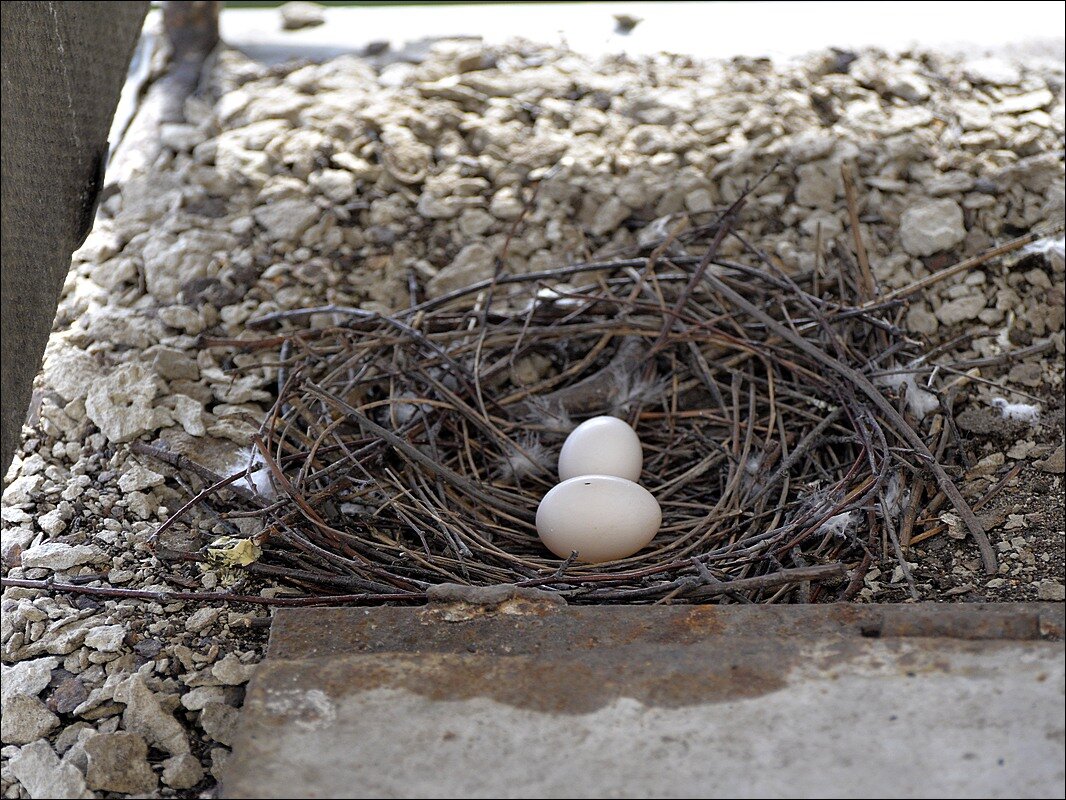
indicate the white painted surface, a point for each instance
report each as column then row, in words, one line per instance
column 704, row 29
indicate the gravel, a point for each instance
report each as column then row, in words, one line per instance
column 336, row 184
column 42, row 775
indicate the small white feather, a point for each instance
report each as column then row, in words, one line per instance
column 1020, row 412
column 1054, row 250
column 894, row 499
column 526, row 459
column 259, row 479
column 840, row 524
column 920, row 401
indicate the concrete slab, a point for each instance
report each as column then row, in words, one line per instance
column 522, row 699
column 703, row 29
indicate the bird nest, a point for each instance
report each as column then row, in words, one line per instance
column 781, row 437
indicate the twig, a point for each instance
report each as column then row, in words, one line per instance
column 214, row 597
column 822, row 572
column 180, row 462
column 869, row 290
column 963, row 266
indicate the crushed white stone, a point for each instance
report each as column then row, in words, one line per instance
column 336, row 183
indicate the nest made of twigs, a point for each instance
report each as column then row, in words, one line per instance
column 410, row 450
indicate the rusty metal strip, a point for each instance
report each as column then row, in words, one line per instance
column 464, row 628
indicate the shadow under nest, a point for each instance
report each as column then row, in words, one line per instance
column 411, row 450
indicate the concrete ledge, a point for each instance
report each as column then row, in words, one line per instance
column 780, row 29
column 710, row 701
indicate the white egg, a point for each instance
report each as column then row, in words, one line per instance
column 601, row 446
column 602, row 517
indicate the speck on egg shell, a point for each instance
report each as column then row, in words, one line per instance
column 602, row 517
column 601, row 446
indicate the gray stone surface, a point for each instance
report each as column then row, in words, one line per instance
column 931, row 227
column 296, row 15
column 145, row 715
column 681, row 705
column 229, row 671
column 23, row 717
column 219, row 721
column 25, row 720
column 43, row 775
column 58, row 556
column 182, row 772
column 27, row 677
column 121, row 404
column 118, row 762
column 106, row 638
